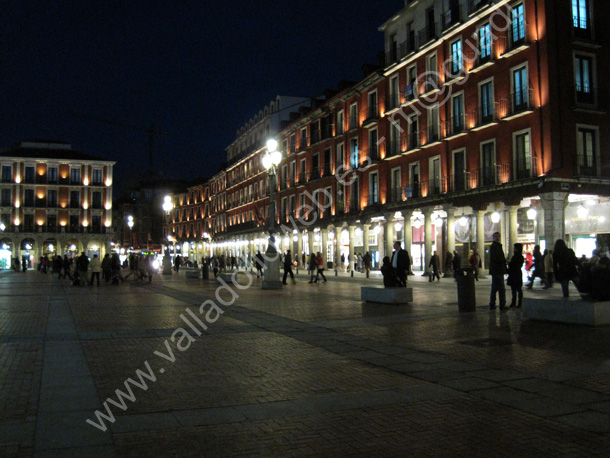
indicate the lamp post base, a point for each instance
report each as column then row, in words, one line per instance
column 271, row 276
column 167, row 265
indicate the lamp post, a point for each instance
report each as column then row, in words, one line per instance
column 271, row 276
column 167, row 260
column 130, row 224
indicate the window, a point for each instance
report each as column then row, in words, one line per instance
column 414, row 180
column 456, row 57
column 74, row 199
column 340, row 158
column 74, row 225
column 457, row 114
column 51, row 222
column 52, row 174
column 29, row 174
column 433, row 121
column 6, row 198
column 394, row 100
column 302, row 172
column 353, row 116
column 7, row 174
column 303, row 142
column 583, row 66
column 74, row 176
column 293, row 173
column 459, row 170
column 432, row 73
column 373, row 188
column 315, row 167
column 395, row 186
column 302, row 209
column 96, row 200
column 484, row 43
column 327, row 156
column 413, row 131
column 587, row 151
column 340, row 123
column 435, row 175
column 394, row 146
column 96, row 223
column 518, row 24
column 97, row 177
column 488, row 163
column 28, row 222
column 486, row 101
column 293, row 143
column 523, row 156
column 373, row 107
column 580, row 14
column 52, row 198
column 292, row 206
column 340, row 202
column 411, row 87
column 353, row 153
column 373, row 147
column 28, row 200
column 520, row 99
column 354, row 195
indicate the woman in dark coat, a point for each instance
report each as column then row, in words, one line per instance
column 515, row 277
column 538, row 268
column 564, row 265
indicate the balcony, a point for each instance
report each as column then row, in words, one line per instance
column 392, row 102
column 516, row 41
column 41, row 179
column 581, row 31
column 474, row 6
column 526, row 167
column 353, row 205
column 372, row 116
column 585, row 96
column 373, row 153
column 327, row 170
column 393, row 148
column 460, row 181
column 484, row 116
column 413, row 191
column 373, row 200
column 456, row 126
column 451, row 17
column 433, row 135
column 395, row 195
column 427, row 35
column 314, row 174
column 410, row 93
column 481, row 61
column 413, row 142
column 587, row 165
column 302, row 177
column 519, row 103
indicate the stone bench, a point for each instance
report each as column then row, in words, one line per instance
column 570, row 310
column 192, row 273
column 383, row 295
column 240, row 277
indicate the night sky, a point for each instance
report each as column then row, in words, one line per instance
column 196, row 69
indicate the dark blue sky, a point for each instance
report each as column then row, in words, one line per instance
column 197, row 69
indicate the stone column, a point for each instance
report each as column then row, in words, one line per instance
column 365, row 235
column 481, row 237
column 324, row 237
column 310, row 236
column 512, row 227
column 351, row 230
column 554, row 205
column 450, row 231
column 427, row 238
column 407, row 231
column 388, row 235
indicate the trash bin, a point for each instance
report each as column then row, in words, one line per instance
column 205, row 271
column 465, row 288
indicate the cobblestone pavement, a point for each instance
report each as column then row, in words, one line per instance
column 307, row 371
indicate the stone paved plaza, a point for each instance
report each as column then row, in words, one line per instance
column 307, row 371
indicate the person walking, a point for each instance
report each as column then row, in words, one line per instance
column 320, row 265
column 548, row 268
column 107, row 268
column 312, row 268
column 288, row 268
column 475, row 263
column 448, row 265
column 538, row 268
column 564, row 265
column 96, row 268
column 515, row 276
column 366, row 261
column 400, row 264
column 435, row 264
column 259, row 262
column 497, row 270
column 456, row 263
column 82, row 264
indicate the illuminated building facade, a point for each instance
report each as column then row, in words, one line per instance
column 485, row 116
column 54, row 200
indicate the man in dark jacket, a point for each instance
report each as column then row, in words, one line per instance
column 497, row 270
column 82, row 264
column 288, row 268
column 401, row 263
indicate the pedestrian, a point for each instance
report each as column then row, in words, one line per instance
column 497, row 270
column 215, row 266
column 389, row 277
column 548, row 268
column 259, row 261
column 107, row 268
column 82, row 265
column 366, row 261
column 564, row 266
column 343, row 267
column 133, row 266
column 177, row 262
column 288, row 268
column 303, row 260
column 456, row 263
column 475, row 263
column 96, row 268
column 515, row 276
column 320, row 265
column 448, row 265
column 115, row 264
column 538, row 271
column 434, row 263
column 66, row 268
column 400, row 263
column 24, row 264
column 313, row 267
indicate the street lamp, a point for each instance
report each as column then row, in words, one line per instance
column 130, row 224
column 271, row 276
column 167, row 260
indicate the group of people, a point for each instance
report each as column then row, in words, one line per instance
column 559, row 264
